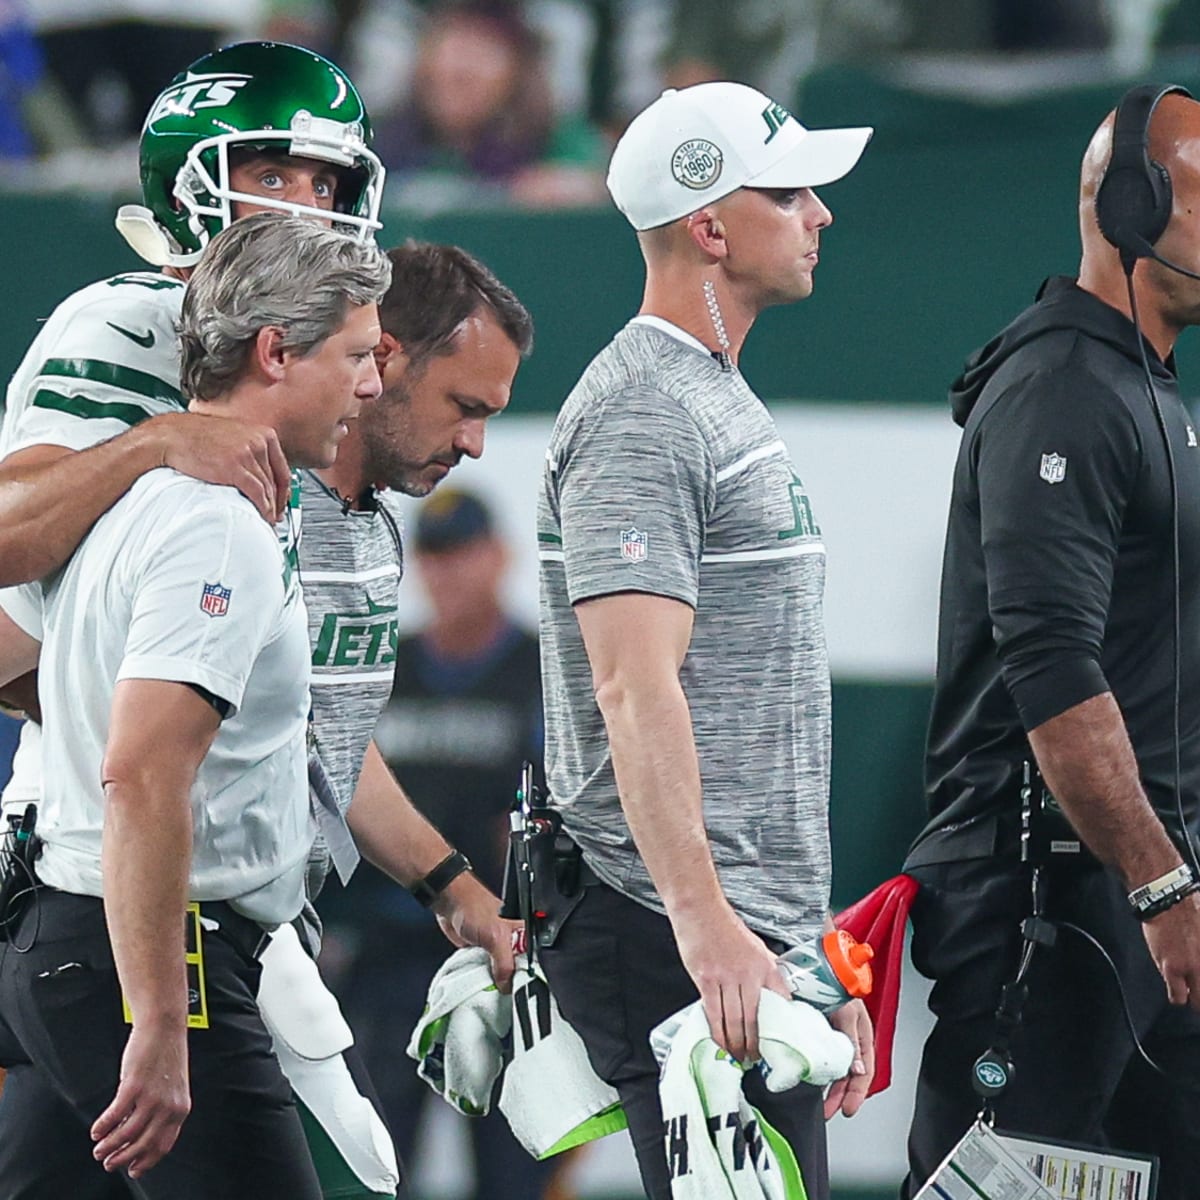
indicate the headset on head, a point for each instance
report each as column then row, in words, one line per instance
column 1133, row 209
column 1133, row 202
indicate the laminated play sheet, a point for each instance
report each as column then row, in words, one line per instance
column 1083, row 1172
column 982, row 1167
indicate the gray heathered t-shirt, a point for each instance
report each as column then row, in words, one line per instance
column 350, row 568
column 666, row 474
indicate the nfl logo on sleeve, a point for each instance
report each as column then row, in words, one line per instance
column 1054, row 468
column 633, row 545
column 214, row 599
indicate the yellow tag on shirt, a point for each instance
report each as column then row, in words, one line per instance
column 197, row 1017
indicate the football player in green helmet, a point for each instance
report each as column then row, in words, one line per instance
column 96, row 403
column 245, row 103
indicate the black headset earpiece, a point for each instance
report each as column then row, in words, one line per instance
column 1133, row 202
column 1133, row 209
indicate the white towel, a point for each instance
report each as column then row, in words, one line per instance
column 717, row 1144
column 551, row 1097
column 458, row 1043
column 309, row 1034
column 297, row 1008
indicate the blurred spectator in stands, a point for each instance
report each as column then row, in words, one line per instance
column 1050, row 24
column 1128, row 29
column 760, row 42
column 327, row 26
column 35, row 116
column 111, row 58
column 465, row 711
column 20, row 71
column 479, row 110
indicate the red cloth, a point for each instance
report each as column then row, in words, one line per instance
column 879, row 919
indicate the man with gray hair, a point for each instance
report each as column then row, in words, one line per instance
column 174, row 665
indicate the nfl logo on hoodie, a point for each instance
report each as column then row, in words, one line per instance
column 1054, row 468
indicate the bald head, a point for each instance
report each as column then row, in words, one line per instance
column 1174, row 142
column 1167, row 300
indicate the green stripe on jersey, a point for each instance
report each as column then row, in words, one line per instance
column 80, row 406
column 141, row 383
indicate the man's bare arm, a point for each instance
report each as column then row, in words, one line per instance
column 19, row 697
column 1088, row 763
column 51, row 496
column 394, row 836
column 18, row 656
column 636, row 645
column 159, row 733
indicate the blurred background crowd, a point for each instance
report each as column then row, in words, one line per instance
column 492, row 114
column 478, row 102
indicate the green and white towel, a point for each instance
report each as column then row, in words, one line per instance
column 550, row 1096
column 718, row 1145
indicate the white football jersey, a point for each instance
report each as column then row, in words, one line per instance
column 106, row 358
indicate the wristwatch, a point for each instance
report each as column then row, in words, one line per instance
column 428, row 889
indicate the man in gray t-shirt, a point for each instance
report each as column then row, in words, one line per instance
column 683, row 646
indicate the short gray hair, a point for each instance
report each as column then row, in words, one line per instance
column 270, row 269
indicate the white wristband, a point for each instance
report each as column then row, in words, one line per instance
column 1157, row 889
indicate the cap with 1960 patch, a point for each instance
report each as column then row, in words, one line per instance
column 700, row 143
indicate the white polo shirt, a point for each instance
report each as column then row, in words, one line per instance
column 181, row 581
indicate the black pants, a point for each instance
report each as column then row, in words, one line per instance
column 616, row 973
column 61, row 1000
column 1077, row 1076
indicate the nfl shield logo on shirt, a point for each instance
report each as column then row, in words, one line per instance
column 1054, row 468
column 633, row 545
column 214, row 599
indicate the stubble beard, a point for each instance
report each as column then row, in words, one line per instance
column 383, row 443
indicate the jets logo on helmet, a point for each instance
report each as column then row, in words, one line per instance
column 259, row 96
column 205, row 91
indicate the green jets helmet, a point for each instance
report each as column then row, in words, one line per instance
column 264, row 96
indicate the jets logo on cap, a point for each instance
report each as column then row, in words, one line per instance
column 774, row 115
column 697, row 164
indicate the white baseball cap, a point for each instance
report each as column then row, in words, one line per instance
column 695, row 145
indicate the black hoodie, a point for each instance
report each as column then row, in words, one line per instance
column 1059, row 581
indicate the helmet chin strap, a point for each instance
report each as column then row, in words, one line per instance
column 148, row 239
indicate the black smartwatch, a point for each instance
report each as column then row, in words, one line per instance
column 428, row 889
